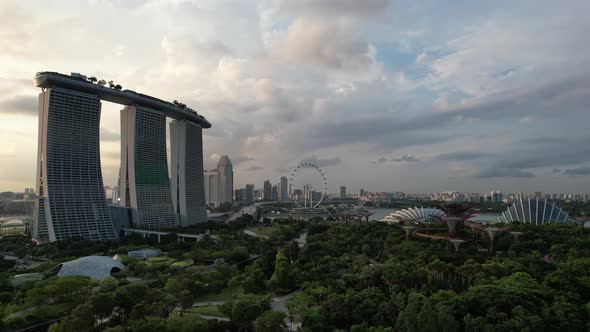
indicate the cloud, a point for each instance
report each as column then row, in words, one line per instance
column 329, row 45
column 405, row 158
column 577, row 171
column 254, row 168
column 327, row 162
column 556, row 170
column 339, row 8
column 461, row 156
column 22, row 105
column 379, row 161
column 503, row 173
column 241, row 159
column 422, row 58
column 109, row 135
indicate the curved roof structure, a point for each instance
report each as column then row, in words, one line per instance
column 534, row 211
column 416, row 215
column 125, row 97
column 224, row 161
column 95, row 267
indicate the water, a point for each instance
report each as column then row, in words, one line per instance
column 380, row 213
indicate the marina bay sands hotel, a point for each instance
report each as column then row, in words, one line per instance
column 70, row 199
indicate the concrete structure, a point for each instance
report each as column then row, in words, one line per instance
column 70, row 200
column 94, row 267
column 144, row 168
column 188, row 194
column 70, row 193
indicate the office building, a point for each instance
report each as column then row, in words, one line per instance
column 267, row 193
column 225, row 176
column 342, row 192
column 283, row 188
column 144, row 168
column 188, row 193
column 219, row 183
column 70, row 199
column 275, row 193
column 249, row 194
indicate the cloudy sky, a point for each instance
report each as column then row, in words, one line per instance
column 414, row 96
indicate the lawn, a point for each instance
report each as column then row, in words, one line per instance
column 265, row 230
column 227, row 294
column 211, row 311
column 182, row 264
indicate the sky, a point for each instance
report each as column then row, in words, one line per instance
column 414, row 96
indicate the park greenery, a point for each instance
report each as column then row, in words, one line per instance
column 347, row 277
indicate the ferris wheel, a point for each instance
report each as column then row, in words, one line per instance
column 306, row 180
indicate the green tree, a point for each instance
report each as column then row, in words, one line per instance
column 270, row 321
column 244, row 310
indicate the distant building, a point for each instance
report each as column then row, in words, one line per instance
column 362, row 192
column 283, row 188
column 219, row 183
column 267, row 194
column 249, row 194
column 342, row 192
column 275, row 193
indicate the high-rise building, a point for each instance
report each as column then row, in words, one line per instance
column 275, row 193
column 362, row 192
column 225, row 173
column 144, row 168
column 70, row 199
column 219, row 183
column 188, row 194
column 342, row 192
column 211, row 189
column 238, row 195
column 267, row 194
column 283, row 188
column 249, row 195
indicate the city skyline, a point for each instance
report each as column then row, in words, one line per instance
column 378, row 95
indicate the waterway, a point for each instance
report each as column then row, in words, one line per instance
column 380, row 213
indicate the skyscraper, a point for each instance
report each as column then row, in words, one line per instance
column 267, row 195
column 342, row 192
column 70, row 193
column 188, row 194
column 249, row 194
column 225, row 176
column 144, row 168
column 219, row 183
column 211, row 190
column 275, row 193
column 283, row 188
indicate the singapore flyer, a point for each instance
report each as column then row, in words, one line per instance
column 307, row 185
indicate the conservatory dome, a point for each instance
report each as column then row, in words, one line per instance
column 416, row 215
column 95, row 267
column 536, row 211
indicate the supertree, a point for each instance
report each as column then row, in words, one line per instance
column 457, row 213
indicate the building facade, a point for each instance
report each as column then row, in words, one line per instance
column 187, row 181
column 144, row 168
column 267, row 191
column 219, row 183
column 283, row 188
column 70, row 199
